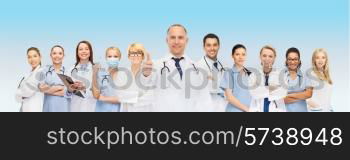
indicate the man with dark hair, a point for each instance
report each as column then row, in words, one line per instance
column 214, row 69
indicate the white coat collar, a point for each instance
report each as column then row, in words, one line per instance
column 36, row 68
column 169, row 57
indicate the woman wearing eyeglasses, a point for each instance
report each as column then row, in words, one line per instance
column 299, row 87
column 142, row 100
column 104, row 88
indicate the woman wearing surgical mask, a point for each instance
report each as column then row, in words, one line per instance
column 28, row 93
column 81, row 74
column 142, row 97
column 104, row 89
column 55, row 99
column 299, row 87
column 266, row 84
column 321, row 82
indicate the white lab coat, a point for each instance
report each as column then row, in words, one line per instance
column 259, row 91
column 132, row 97
column 321, row 95
column 28, row 93
column 178, row 96
column 213, row 85
column 84, row 75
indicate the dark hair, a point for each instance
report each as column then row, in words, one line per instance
column 210, row 35
column 293, row 50
column 237, row 46
column 91, row 58
column 58, row 46
column 34, row 49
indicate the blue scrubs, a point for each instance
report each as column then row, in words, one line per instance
column 232, row 79
column 107, row 88
column 55, row 103
column 299, row 84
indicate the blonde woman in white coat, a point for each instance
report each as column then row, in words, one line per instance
column 129, row 86
column 321, row 82
column 28, row 93
column 268, row 88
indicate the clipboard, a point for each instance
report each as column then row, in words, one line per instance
column 67, row 82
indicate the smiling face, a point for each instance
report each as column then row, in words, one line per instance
column 177, row 40
column 34, row 58
column 57, row 55
column 239, row 56
column 136, row 53
column 211, row 48
column 267, row 57
column 293, row 61
column 320, row 60
column 84, row 52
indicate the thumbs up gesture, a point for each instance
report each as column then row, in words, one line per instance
column 147, row 66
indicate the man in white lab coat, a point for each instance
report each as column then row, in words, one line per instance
column 179, row 86
column 215, row 70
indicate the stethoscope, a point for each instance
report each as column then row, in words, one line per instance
column 165, row 67
column 299, row 76
column 222, row 67
column 20, row 82
column 246, row 71
column 51, row 69
column 105, row 78
column 76, row 69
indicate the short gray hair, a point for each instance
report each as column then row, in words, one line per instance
column 177, row 25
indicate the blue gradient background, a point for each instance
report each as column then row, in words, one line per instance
column 304, row 24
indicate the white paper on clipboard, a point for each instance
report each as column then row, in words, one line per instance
column 128, row 96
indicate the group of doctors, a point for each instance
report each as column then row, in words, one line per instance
column 175, row 83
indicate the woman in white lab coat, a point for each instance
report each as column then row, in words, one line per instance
column 143, row 97
column 321, row 82
column 267, row 85
column 28, row 93
column 81, row 73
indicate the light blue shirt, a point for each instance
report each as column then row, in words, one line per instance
column 107, row 88
column 238, row 82
column 299, row 84
column 55, row 103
